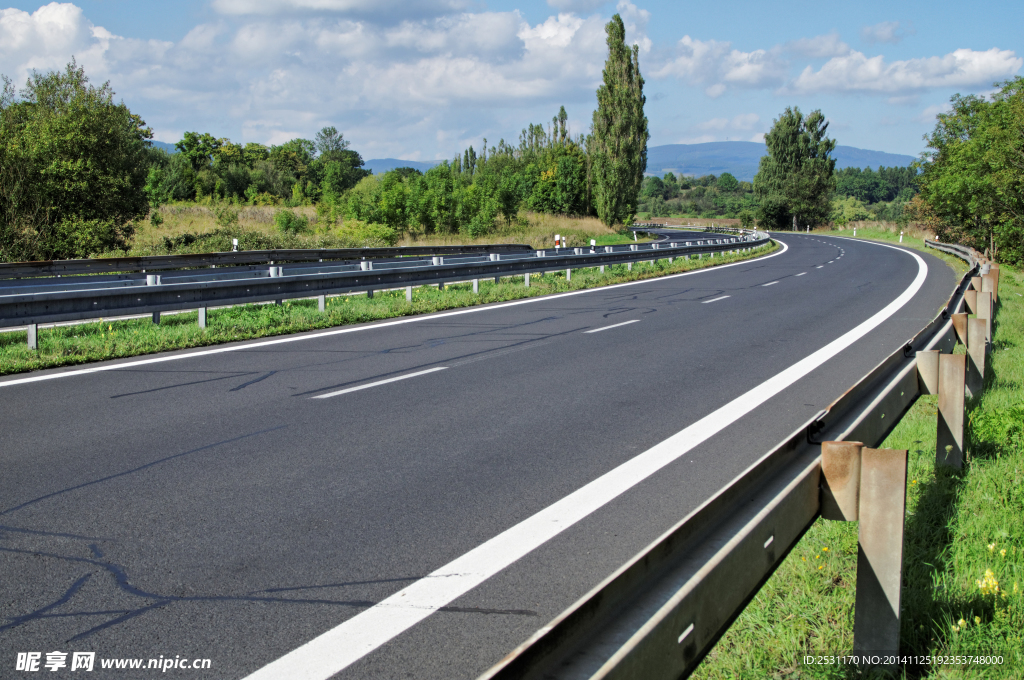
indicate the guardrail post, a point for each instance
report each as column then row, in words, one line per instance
column 985, row 312
column 33, row 336
column 526, row 279
column 976, row 348
column 154, row 280
column 869, row 486
column 971, row 298
column 928, row 371
column 883, row 499
column 949, row 438
column 408, row 293
column 990, row 284
column 201, row 313
column 476, row 285
column 568, row 275
column 960, row 327
column 321, row 303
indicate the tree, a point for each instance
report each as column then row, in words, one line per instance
column 330, row 143
column 973, row 179
column 198, row 148
column 727, row 183
column 73, row 168
column 795, row 181
column 618, row 143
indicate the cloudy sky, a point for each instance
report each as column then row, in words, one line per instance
column 422, row 79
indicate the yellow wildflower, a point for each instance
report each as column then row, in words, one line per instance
column 825, row 549
column 820, row 567
column 961, row 623
column 988, row 585
column 991, row 547
column 977, row 620
column 1002, row 553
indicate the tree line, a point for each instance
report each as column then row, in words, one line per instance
column 78, row 171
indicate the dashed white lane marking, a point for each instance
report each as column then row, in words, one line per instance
column 801, row 273
column 819, row 266
column 714, row 299
column 770, row 283
column 379, row 382
column 348, row 642
column 614, row 325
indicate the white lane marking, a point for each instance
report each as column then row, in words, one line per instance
column 801, row 274
column 614, row 325
column 358, row 329
column 379, row 382
column 770, row 283
column 714, row 299
column 346, row 643
column 819, row 266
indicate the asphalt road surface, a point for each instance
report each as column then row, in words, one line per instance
column 208, row 505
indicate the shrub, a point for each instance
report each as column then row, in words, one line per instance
column 289, row 223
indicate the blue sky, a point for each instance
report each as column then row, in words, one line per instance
column 421, row 79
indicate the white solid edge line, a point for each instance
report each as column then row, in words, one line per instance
column 346, row 643
column 614, row 325
column 357, row 329
column 770, row 283
column 705, row 302
column 379, row 382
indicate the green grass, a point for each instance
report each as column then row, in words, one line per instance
column 958, row 525
column 81, row 343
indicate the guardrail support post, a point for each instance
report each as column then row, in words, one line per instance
column 369, row 294
column 526, row 279
column 33, row 336
column 321, row 303
column 960, row 327
column 928, row 371
column 883, row 499
column 476, row 285
column 985, row 312
column 202, row 317
column 408, row 293
column 440, row 285
column 840, row 485
column 949, row 438
column 971, row 298
column 976, row 347
column 568, row 275
column 990, row 284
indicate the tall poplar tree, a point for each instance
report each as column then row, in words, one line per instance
column 618, row 142
column 796, row 180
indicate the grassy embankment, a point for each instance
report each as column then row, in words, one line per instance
column 963, row 549
column 194, row 227
column 81, row 343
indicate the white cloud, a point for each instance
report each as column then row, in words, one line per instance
column 885, row 32
column 856, row 72
column 931, row 112
column 759, row 137
column 828, row 45
column 744, row 121
column 378, row 8
column 576, row 5
column 635, row 20
column 717, row 66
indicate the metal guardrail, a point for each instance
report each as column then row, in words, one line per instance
column 662, row 612
column 11, row 270
column 19, row 308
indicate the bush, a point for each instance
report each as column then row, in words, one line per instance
column 226, row 214
column 155, row 218
column 289, row 223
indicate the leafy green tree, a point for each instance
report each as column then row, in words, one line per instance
column 973, row 177
column 618, row 144
column 73, row 168
column 795, row 181
column 727, row 183
column 198, row 148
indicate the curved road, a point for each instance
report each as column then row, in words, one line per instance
column 206, row 504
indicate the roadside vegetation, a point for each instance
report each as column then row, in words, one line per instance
column 108, row 339
column 963, row 571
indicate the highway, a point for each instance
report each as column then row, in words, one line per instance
column 235, row 505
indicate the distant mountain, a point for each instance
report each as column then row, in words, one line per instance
column 741, row 158
column 169, row 148
column 379, row 165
